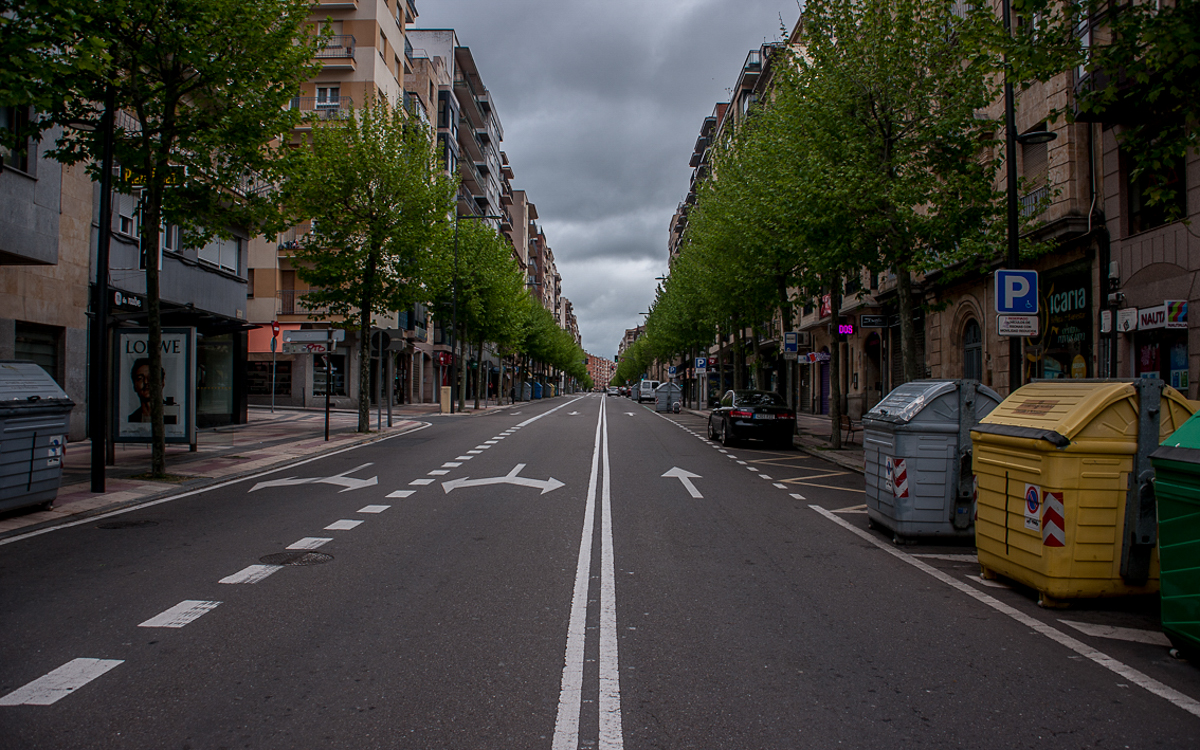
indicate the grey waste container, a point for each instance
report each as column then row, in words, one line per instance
column 667, row 395
column 917, row 443
column 526, row 391
column 33, row 435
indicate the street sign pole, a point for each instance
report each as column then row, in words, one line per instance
column 274, row 346
column 328, row 387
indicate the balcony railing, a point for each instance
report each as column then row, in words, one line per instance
column 291, row 302
column 338, row 45
column 1033, row 203
column 323, row 108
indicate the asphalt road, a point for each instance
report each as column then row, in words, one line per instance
column 554, row 576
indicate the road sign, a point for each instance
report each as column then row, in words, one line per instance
column 701, row 363
column 1127, row 319
column 671, row 371
column 305, row 348
column 1016, row 292
column 791, row 342
column 323, row 334
column 1017, row 325
column 274, row 327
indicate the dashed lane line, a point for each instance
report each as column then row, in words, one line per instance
column 59, row 683
column 251, row 574
column 181, row 614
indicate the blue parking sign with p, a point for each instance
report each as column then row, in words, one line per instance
column 701, row 363
column 1016, row 292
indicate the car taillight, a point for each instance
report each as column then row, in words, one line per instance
column 742, row 414
column 787, row 415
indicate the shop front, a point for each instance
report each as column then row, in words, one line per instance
column 1161, row 343
column 1063, row 349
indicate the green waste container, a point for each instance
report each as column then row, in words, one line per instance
column 1177, row 487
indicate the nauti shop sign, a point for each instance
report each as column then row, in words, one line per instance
column 1170, row 314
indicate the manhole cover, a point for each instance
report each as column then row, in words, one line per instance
column 126, row 524
column 297, row 557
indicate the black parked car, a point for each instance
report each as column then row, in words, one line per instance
column 759, row 415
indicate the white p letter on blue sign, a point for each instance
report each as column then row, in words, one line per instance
column 1016, row 292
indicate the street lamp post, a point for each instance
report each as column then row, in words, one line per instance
column 454, row 306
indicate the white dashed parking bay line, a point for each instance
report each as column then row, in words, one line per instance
column 59, row 683
column 779, row 486
column 439, row 472
column 343, row 525
column 310, row 542
column 377, row 508
column 475, row 453
column 402, row 493
column 764, row 476
column 421, row 482
column 251, row 574
column 179, row 615
column 798, row 497
column 451, row 465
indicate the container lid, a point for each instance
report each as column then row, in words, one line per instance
column 909, row 399
column 1187, row 436
column 26, row 382
column 1059, row 410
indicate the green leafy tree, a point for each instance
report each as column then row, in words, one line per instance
column 202, row 88
column 379, row 203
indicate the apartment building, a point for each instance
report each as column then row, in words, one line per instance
column 45, row 271
column 601, row 370
column 366, row 58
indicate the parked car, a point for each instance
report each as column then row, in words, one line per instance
column 757, row 415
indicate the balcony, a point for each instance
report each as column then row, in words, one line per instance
column 337, row 4
column 314, row 108
column 338, row 52
column 291, row 302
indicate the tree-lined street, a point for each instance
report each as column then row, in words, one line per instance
column 442, row 589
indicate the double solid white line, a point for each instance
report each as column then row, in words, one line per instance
column 566, row 727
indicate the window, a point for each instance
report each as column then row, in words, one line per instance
column 11, row 118
column 258, row 378
column 168, row 238
column 973, row 351
column 40, row 344
column 222, row 253
column 338, row 363
column 250, row 282
column 328, row 96
column 127, row 214
column 1155, row 197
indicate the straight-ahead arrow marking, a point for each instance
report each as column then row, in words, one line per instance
column 546, row 485
column 686, row 478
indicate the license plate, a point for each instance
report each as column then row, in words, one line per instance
column 764, row 416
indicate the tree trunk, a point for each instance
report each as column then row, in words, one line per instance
column 835, row 368
column 908, row 339
column 364, row 347
column 479, row 381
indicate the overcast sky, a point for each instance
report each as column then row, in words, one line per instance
column 601, row 103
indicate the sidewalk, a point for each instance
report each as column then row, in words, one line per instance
column 223, row 453
column 812, row 437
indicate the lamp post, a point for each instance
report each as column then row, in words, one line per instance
column 98, row 371
column 1013, row 260
column 454, row 306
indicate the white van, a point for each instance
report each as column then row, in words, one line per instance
column 646, row 390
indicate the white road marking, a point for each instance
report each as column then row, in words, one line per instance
column 483, row 447
column 685, row 477
column 1180, row 700
column 566, row 725
column 251, row 574
column 531, row 420
column 743, row 463
column 179, row 615
column 950, row 558
column 490, row 442
column 59, row 683
column 1133, row 635
column 343, row 525
column 347, row 483
column 439, row 472
column 764, row 476
column 475, row 452
column 220, row 485
column 799, row 497
column 310, row 542
column 402, row 493
column 421, row 482
column 375, row 508
column 545, row 485
column 453, row 464
column 779, row 486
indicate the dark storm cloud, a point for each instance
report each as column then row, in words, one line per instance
column 601, row 103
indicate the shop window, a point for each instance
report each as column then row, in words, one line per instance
column 40, row 344
column 973, row 351
column 338, row 365
column 258, row 378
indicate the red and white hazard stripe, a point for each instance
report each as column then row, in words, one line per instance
column 900, row 477
column 1054, row 522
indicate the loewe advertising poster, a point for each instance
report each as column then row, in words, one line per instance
column 131, row 380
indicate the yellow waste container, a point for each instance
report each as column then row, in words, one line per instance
column 1066, row 501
